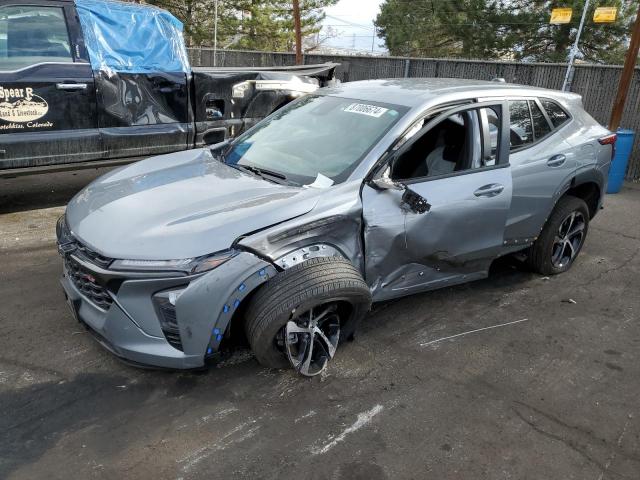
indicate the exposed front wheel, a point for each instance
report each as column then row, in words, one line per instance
column 562, row 237
column 310, row 340
column 298, row 318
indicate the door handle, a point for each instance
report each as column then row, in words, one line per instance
column 556, row 160
column 489, row 191
column 71, row 86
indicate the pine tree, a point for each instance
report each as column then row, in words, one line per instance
column 247, row 24
column 493, row 29
column 535, row 39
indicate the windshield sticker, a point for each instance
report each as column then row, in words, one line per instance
column 21, row 105
column 364, row 109
column 321, row 181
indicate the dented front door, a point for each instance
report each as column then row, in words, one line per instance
column 454, row 241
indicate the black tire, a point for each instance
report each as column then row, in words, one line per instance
column 298, row 289
column 541, row 254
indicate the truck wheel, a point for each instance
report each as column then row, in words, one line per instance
column 562, row 237
column 298, row 317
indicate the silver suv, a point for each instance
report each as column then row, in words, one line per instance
column 356, row 194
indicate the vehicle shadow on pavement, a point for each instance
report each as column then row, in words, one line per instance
column 36, row 417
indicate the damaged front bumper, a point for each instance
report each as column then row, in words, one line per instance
column 160, row 320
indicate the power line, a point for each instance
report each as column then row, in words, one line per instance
column 336, row 17
column 479, row 24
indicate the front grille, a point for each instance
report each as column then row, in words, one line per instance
column 91, row 256
column 169, row 322
column 67, row 243
column 85, row 282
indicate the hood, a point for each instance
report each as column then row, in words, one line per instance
column 181, row 205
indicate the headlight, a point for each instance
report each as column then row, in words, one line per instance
column 187, row 265
column 63, row 234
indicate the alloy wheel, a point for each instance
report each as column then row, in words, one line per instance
column 311, row 338
column 568, row 240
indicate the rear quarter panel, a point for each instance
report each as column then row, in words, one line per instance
column 537, row 187
column 593, row 159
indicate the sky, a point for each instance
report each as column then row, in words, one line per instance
column 352, row 20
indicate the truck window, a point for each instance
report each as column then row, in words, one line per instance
column 32, row 34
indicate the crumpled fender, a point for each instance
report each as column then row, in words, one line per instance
column 206, row 307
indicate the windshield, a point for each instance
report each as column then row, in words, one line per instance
column 316, row 139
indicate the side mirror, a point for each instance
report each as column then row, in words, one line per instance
column 410, row 199
column 383, row 181
column 415, row 202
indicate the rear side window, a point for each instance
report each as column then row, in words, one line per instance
column 557, row 115
column 32, row 34
column 541, row 127
column 520, row 125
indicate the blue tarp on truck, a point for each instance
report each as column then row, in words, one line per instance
column 132, row 38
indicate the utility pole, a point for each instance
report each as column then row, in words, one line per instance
column 574, row 49
column 627, row 76
column 298, row 29
column 215, row 31
column 373, row 40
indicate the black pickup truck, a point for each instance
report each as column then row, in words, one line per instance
column 92, row 82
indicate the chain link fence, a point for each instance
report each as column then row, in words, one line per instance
column 596, row 83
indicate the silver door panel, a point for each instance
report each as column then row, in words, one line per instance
column 454, row 242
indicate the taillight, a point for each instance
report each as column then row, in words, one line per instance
column 609, row 140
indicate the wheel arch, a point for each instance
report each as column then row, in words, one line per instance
column 314, row 249
column 294, row 256
column 288, row 244
column 211, row 303
column 295, row 290
column 590, row 192
column 587, row 184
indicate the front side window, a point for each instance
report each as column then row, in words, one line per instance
column 520, row 125
column 316, row 138
column 461, row 142
column 32, row 34
column 557, row 115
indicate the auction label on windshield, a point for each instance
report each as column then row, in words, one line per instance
column 364, row 109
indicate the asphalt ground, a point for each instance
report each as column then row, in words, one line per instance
column 514, row 377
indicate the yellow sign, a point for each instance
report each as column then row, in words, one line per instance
column 560, row 15
column 605, row 14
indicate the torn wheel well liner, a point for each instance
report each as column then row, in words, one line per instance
column 589, row 192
